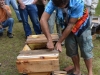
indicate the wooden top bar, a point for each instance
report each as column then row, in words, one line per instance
column 38, row 54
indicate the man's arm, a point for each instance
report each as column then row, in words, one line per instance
column 65, row 33
column 35, row 1
column 45, row 29
column 20, row 1
column 44, row 23
column 68, row 29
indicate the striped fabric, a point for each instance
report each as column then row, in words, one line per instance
column 81, row 24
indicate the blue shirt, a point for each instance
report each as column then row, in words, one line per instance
column 75, row 8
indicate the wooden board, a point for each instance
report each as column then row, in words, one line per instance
column 96, row 21
column 41, row 65
column 33, row 39
column 59, row 73
column 38, row 54
column 41, row 73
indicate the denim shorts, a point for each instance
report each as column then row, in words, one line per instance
column 84, row 42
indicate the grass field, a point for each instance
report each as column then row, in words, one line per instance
column 10, row 48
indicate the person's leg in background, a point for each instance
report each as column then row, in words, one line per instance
column 51, row 22
column 15, row 7
column 58, row 28
column 40, row 10
column 91, row 18
column 7, row 2
column 9, row 23
column 33, row 14
column 24, row 16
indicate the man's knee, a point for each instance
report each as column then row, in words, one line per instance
column 10, row 20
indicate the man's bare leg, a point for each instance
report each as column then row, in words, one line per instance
column 88, row 63
column 76, row 63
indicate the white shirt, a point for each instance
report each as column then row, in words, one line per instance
column 27, row 2
column 87, row 2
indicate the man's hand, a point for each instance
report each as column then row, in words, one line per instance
column 50, row 45
column 22, row 6
column 58, row 47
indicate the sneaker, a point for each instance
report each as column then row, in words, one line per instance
column 10, row 35
column 20, row 20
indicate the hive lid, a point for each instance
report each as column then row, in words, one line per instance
column 40, row 38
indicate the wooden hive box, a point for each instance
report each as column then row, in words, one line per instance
column 35, row 59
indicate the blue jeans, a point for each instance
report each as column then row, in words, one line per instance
column 32, row 11
column 15, row 7
column 8, row 23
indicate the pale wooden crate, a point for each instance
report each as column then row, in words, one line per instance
column 34, row 61
column 35, row 58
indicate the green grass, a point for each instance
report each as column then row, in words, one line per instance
column 98, row 9
column 10, row 48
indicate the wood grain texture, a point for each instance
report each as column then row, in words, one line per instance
column 42, row 65
column 38, row 54
column 33, row 39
